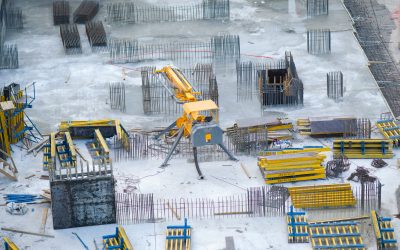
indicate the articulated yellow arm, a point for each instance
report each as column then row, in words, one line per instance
column 184, row 90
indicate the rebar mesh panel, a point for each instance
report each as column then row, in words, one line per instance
column 131, row 12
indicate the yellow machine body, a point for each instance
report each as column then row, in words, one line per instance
column 194, row 112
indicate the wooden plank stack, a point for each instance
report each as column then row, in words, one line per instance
column 322, row 196
column 292, row 167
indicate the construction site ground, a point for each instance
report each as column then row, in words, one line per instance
column 75, row 87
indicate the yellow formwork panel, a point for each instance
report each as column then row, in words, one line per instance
column 333, row 195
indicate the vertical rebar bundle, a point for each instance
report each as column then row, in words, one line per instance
column 157, row 99
column 317, row 7
column 14, row 19
column 60, row 12
column 9, row 56
column 86, row 11
column 117, row 96
column 226, row 47
column 96, row 34
column 319, row 41
column 70, row 38
column 334, row 85
column 357, row 129
column 131, row 12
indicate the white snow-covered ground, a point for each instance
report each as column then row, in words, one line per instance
column 73, row 87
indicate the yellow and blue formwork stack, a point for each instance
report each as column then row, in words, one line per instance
column 9, row 245
column 292, row 167
column 384, row 232
column 390, row 130
column 13, row 125
column 363, row 148
column 118, row 241
column 297, row 226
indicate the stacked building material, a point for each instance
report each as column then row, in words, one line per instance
column 336, row 235
column 61, row 12
column 86, row 11
column 324, row 126
column 292, row 167
column 297, row 227
column 70, row 38
column 390, row 129
column 314, row 149
column 322, row 196
column 96, row 34
column 384, row 232
column 363, row 148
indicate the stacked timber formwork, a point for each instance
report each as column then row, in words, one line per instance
column 292, row 167
column 363, row 148
column 322, row 196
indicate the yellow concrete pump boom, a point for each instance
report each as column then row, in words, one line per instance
column 183, row 89
column 199, row 119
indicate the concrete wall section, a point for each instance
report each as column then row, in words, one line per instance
column 83, row 202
